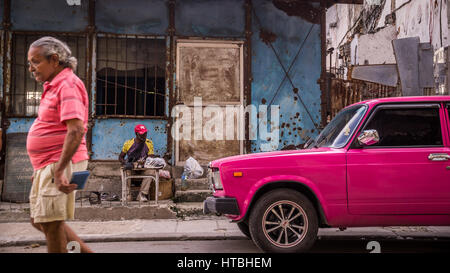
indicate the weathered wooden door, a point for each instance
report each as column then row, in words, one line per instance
column 210, row 90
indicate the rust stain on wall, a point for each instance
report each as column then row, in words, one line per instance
column 266, row 36
column 299, row 8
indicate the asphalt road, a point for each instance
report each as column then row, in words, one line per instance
column 247, row 246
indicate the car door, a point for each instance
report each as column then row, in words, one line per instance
column 406, row 172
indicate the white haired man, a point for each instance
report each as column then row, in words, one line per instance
column 56, row 141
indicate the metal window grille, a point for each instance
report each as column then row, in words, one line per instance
column 131, row 76
column 25, row 94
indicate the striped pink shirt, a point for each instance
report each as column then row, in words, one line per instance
column 64, row 98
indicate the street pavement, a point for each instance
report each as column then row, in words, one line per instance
column 212, row 228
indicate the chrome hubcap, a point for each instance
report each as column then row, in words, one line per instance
column 285, row 224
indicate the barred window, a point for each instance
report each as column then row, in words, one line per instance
column 130, row 76
column 25, row 94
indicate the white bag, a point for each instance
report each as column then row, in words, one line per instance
column 155, row 162
column 192, row 168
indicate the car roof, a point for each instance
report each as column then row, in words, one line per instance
column 372, row 102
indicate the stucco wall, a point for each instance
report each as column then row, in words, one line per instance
column 426, row 19
column 376, row 48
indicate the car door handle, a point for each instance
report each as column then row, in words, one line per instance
column 439, row 157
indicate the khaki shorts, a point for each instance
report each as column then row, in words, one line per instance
column 47, row 203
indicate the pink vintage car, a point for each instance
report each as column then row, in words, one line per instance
column 383, row 162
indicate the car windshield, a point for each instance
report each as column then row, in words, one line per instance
column 338, row 132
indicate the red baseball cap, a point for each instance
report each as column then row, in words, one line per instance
column 140, row 129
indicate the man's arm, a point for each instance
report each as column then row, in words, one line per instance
column 122, row 157
column 75, row 133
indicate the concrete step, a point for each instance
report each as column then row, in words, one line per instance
column 189, row 209
column 191, row 196
column 193, row 184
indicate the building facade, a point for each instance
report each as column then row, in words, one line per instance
column 143, row 60
column 398, row 45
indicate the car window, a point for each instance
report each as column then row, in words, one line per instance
column 338, row 132
column 407, row 127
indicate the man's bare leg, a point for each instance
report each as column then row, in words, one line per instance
column 72, row 236
column 36, row 225
column 56, row 236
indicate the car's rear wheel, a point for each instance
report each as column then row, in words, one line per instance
column 243, row 227
column 283, row 220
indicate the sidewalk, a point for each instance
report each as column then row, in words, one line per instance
column 214, row 228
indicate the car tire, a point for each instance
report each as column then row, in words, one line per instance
column 283, row 221
column 243, row 227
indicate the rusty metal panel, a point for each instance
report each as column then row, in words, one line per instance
column 48, row 15
column 345, row 92
column 212, row 18
column 209, row 74
column 406, row 54
column 426, row 54
column 209, row 139
column 18, row 169
column 132, row 17
column 287, row 34
column 385, row 74
column 210, row 71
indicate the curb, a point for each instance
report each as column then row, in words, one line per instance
column 140, row 238
column 234, row 236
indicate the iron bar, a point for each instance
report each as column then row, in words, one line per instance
column 115, row 77
column 135, row 78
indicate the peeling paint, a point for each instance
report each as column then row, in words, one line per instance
column 267, row 37
column 298, row 8
column 109, row 135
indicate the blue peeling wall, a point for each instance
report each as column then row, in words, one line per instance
column 109, row 136
column 48, row 15
column 290, row 33
column 132, row 17
column 20, row 125
column 210, row 18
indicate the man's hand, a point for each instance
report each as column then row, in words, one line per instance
column 63, row 184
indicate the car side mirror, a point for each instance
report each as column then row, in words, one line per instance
column 368, row 137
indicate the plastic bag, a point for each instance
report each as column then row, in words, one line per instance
column 155, row 162
column 192, row 169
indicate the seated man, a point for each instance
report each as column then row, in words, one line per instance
column 137, row 150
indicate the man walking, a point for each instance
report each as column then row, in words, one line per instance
column 56, row 141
